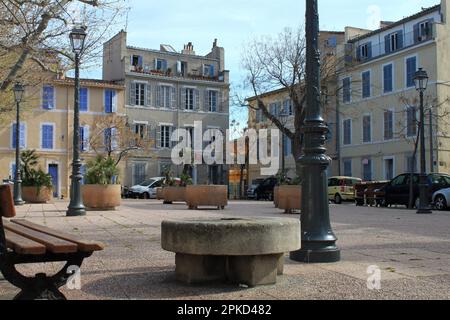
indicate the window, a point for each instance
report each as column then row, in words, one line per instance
column 138, row 173
column 208, row 70
column 22, row 136
column 161, row 65
column 393, row 42
column 388, row 78
column 48, row 98
column 84, row 138
column 411, row 164
column 274, row 109
column 400, row 181
column 348, row 132
column 287, row 146
column 84, row 99
column 287, row 107
column 164, row 96
column 189, row 100
column 346, row 90
column 165, row 136
column 388, row 125
column 367, row 128
column 332, row 42
column 366, row 84
column 365, row 51
column 411, row 68
column 110, row 101
column 47, row 131
column 389, row 168
column 136, row 61
column 348, row 168
column 140, row 94
column 212, row 100
column 139, row 130
column 367, row 169
column 411, row 122
column 423, row 31
column 110, row 139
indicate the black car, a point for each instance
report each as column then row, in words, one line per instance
column 398, row 190
column 264, row 191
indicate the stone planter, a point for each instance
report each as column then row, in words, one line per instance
column 101, row 197
column 174, row 194
column 207, row 195
column 289, row 198
column 37, row 195
column 159, row 194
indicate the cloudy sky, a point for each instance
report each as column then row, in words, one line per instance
column 233, row 22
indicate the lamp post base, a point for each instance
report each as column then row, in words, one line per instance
column 76, row 212
column 19, row 202
column 329, row 255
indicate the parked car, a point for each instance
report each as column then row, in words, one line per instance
column 369, row 193
column 397, row 192
column 251, row 194
column 265, row 190
column 342, row 189
column 441, row 199
column 147, row 189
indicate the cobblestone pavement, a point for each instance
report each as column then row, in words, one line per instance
column 412, row 251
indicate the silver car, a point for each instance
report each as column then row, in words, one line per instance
column 441, row 199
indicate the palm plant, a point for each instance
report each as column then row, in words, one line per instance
column 102, row 170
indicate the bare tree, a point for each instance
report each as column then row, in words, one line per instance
column 280, row 64
column 34, row 41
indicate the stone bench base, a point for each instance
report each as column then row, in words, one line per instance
column 249, row 270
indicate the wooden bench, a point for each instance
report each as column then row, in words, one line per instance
column 24, row 242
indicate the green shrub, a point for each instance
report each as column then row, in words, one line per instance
column 32, row 176
column 102, row 170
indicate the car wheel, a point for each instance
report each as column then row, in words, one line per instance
column 271, row 197
column 337, row 199
column 417, row 203
column 440, row 203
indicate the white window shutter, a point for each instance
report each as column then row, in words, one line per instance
column 206, row 106
column 86, row 138
column 114, row 101
column 183, row 102
column 197, row 99
column 173, row 98
column 221, row 102
column 178, row 67
column 148, row 95
column 132, row 93
column 158, row 137
column 158, row 96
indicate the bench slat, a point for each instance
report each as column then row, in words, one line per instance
column 22, row 245
column 83, row 245
column 52, row 244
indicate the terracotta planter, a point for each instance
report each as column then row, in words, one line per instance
column 101, row 197
column 37, row 195
column 276, row 191
column 159, row 194
column 206, row 195
column 174, row 194
column 289, row 198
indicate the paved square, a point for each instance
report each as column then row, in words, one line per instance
column 412, row 251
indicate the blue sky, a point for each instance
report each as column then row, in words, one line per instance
column 233, row 22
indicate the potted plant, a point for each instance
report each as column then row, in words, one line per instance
column 102, row 190
column 172, row 190
column 289, row 194
column 36, row 184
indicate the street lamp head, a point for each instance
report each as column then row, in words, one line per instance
column 421, row 80
column 18, row 92
column 77, row 38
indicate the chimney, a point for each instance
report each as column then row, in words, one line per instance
column 384, row 24
column 188, row 49
column 215, row 43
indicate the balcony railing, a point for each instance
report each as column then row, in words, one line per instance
column 379, row 49
column 171, row 74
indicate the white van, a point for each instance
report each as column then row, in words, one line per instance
column 147, row 189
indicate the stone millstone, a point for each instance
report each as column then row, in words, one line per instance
column 245, row 251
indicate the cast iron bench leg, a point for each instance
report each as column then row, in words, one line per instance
column 40, row 287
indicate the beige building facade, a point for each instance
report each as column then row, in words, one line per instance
column 168, row 90
column 378, row 101
column 47, row 127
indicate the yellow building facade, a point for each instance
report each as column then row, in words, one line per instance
column 47, row 126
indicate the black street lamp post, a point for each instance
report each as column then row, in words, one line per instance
column 18, row 96
column 76, row 207
column 318, row 239
column 421, row 83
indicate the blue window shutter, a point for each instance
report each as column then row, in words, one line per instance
column 366, row 84
column 107, row 138
column 411, row 69
column 22, row 136
column 48, row 98
column 416, row 33
column 387, row 44
column 83, row 99
column 388, row 78
column 358, row 53
column 369, row 50
column 211, row 71
column 164, row 65
column 113, row 101
column 400, row 39
column 108, row 101
column 140, row 61
column 47, row 137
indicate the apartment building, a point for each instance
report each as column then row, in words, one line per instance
column 280, row 105
column 379, row 105
column 167, row 90
column 48, row 126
